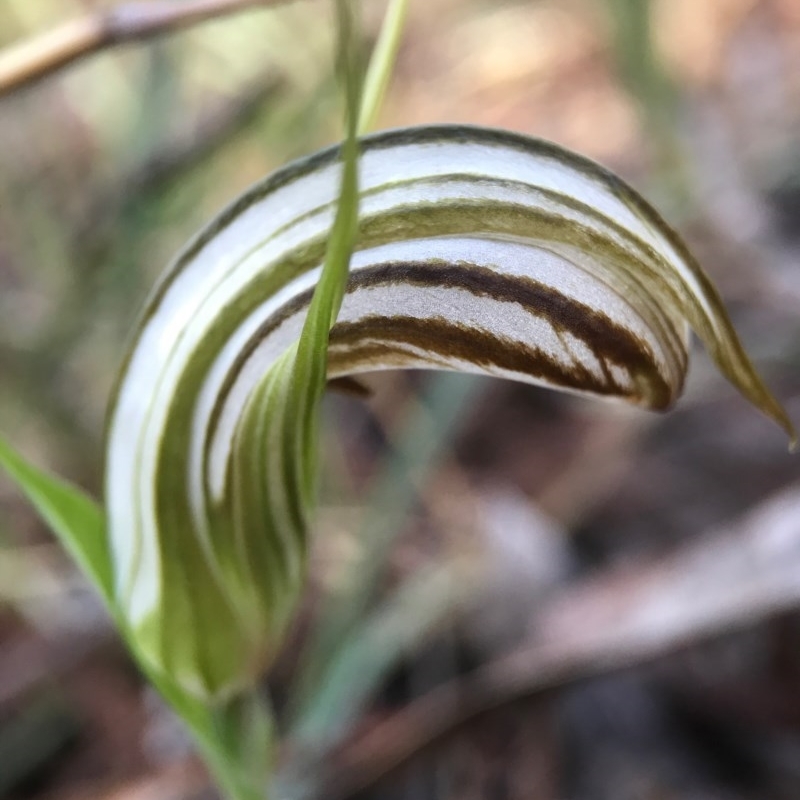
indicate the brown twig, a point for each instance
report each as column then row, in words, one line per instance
column 42, row 55
column 723, row 582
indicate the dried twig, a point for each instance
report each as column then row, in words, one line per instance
column 725, row 581
column 36, row 58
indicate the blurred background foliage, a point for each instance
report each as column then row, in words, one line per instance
column 462, row 520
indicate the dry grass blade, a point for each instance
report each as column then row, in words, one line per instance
column 31, row 60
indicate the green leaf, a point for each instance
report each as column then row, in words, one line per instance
column 74, row 517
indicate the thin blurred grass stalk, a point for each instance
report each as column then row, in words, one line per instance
column 341, row 647
column 381, row 65
column 421, row 442
column 641, row 70
column 419, row 445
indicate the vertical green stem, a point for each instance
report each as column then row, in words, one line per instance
column 380, row 66
column 236, row 736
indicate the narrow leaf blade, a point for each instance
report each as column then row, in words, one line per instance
column 75, row 518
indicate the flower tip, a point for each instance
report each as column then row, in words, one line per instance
column 775, row 411
column 788, row 426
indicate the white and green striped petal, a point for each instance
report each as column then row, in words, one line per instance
column 478, row 250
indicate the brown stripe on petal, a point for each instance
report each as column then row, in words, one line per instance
column 373, row 342
column 607, row 340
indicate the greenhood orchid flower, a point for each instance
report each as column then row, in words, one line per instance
column 478, row 250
